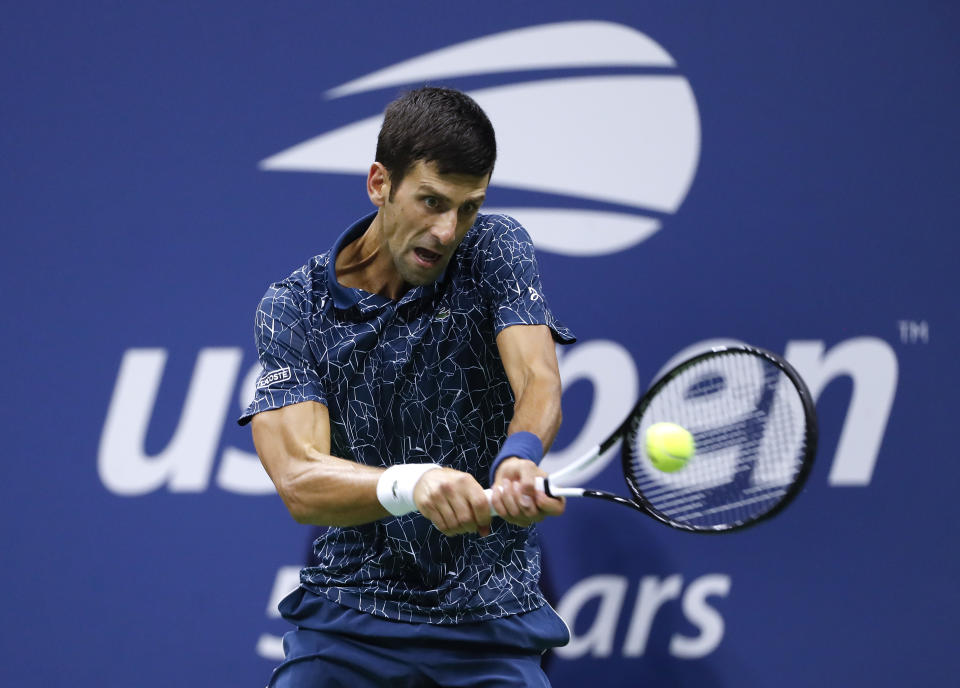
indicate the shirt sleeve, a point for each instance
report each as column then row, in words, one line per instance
column 289, row 372
column 510, row 280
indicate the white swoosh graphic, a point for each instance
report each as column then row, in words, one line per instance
column 564, row 44
column 572, row 137
column 631, row 139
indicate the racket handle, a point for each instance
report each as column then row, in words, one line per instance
column 543, row 486
column 565, row 491
column 489, row 493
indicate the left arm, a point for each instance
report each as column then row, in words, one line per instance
column 530, row 361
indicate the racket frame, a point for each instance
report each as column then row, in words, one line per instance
column 639, row 502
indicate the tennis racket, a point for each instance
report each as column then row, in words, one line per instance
column 754, row 425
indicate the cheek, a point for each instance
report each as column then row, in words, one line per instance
column 399, row 226
column 464, row 226
column 406, row 220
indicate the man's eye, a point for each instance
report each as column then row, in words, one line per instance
column 469, row 209
column 431, row 202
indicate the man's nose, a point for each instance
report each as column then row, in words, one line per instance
column 445, row 227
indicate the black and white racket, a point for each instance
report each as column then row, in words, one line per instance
column 754, row 426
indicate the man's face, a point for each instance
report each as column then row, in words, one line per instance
column 427, row 218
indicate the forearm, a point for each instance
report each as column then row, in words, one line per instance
column 293, row 443
column 328, row 491
column 530, row 361
column 537, row 409
column 294, row 446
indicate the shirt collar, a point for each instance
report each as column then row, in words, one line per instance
column 348, row 297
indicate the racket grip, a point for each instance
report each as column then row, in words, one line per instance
column 489, row 493
column 538, row 481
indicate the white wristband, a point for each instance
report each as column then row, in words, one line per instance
column 395, row 487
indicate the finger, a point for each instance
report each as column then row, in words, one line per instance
column 464, row 496
column 511, row 509
column 550, row 506
column 528, row 485
column 480, row 507
column 446, row 519
column 464, row 511
column 449, row 506
column 517, row 513
column 528, row 507
column 496, row 501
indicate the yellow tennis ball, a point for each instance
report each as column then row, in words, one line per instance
column 669, row 446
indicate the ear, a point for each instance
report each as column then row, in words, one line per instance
column 378, row 184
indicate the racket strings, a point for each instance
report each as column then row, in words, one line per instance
column 747, row 420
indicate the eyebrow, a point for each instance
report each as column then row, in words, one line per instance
column 427, row 188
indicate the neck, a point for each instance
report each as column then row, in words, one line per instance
column 365, row 264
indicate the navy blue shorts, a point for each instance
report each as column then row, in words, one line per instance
column 335, row 646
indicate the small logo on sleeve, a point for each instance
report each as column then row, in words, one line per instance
column 273, row 377
column 442, row 314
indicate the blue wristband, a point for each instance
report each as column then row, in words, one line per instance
column 523, row 445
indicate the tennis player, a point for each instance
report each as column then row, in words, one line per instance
column 404, row 371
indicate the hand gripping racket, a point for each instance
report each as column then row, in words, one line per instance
column 754, row 425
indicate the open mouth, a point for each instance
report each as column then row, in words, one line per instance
column 427, row 258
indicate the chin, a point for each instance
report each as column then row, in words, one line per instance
column 423, row 276
column 423, row 280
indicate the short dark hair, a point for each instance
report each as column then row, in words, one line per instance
column 439, row 125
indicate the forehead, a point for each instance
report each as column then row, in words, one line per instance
column 426, row 174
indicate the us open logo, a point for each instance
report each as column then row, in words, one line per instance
column 612, row 154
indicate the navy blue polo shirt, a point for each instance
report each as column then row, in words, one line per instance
column 413, row 380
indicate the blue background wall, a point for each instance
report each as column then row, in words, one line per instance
column 141, row 543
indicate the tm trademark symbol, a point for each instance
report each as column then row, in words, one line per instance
column 914, row 331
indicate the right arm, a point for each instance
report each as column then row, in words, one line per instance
column 293, row 443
